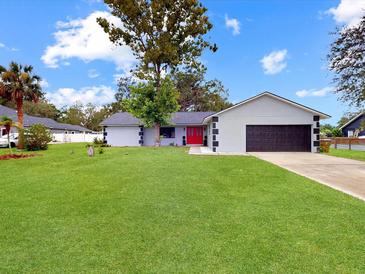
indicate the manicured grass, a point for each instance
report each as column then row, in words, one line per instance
column 147, row 210
column 345, row 153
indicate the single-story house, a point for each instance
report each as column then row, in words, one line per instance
column 55, row 128
column 356, row 123
column 266, row 122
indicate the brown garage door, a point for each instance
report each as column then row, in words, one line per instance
column 278, row 138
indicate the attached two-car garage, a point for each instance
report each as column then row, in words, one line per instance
column 265, row 123
column 273, row 138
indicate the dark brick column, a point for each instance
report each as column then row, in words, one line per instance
column 141, row 135
column 104, row 135
column 316, row 125
column 215, row 132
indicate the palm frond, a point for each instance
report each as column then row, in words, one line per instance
column 28, row 68
column 15, row 67
column 37, row 78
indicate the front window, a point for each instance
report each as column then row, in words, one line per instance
column 350, row 133
column 167, row 132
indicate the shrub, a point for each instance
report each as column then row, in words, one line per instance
column 37, row 137
column 336, row 132
column 326, row 133
column 98, row 141
column 325, row 146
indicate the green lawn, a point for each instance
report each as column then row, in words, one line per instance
column 147, row 210
column 345, row 153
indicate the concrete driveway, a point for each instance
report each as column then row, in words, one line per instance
column 339, row 173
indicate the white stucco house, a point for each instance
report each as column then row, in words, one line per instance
column 266, row 122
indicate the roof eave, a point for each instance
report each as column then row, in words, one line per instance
column 120, row 125
column 321, row 114
column 353, row 119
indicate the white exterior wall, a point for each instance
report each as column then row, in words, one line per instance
column 262, row 111
column 208, row 132
column 129, row 136
column 149, row 137
column 122, row 136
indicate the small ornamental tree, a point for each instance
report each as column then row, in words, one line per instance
column 37, row 137
column 152, row 107
column 8, row 123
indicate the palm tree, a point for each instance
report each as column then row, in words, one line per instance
column 18, row 83
column 8, row 124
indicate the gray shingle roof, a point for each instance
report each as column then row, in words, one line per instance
column 177, row 118
column 31, row 120
column 189, row 118
column 121, row 118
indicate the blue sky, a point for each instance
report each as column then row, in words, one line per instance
column 276, row 45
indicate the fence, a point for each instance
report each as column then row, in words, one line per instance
column 76, row 138
column 347, row 143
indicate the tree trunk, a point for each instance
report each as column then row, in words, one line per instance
column 19, row 108
column 157, row 125
column 157, row 135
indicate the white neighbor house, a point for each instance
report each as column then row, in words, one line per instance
column 64, row 133
column 266, row 122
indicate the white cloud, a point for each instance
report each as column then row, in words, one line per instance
column 44, row 84
column 92, row 73
column 2, row 45
column 86, row 40
column 348, row 12
column 93, row 1
column 97, row 95
column 234, row 24
column 314, row 92
column 274, row 62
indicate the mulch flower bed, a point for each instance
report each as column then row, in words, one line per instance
column 16, row 156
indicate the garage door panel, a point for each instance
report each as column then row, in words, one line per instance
column 278, row 138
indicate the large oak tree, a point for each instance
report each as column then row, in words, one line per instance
column 199, row 94
column 164, row 35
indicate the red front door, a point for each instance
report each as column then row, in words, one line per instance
column 194, row 135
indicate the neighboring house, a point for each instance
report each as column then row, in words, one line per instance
column 61, row 132
column 266, row 122
column 356, row 123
